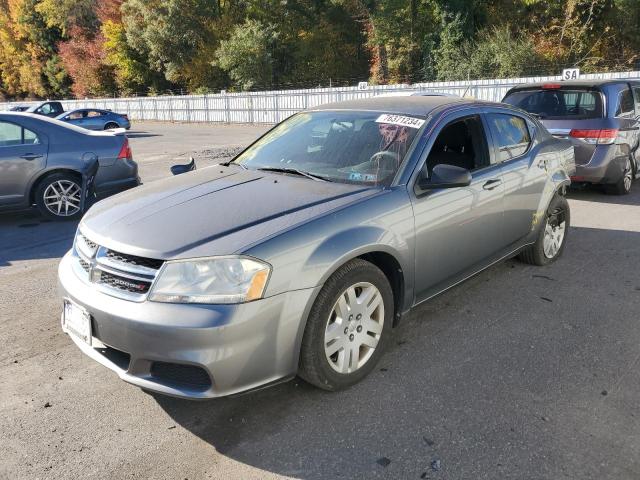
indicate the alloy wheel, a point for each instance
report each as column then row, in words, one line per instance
column 62, row 198
column 628, row 176
column 354, row 327
column 554, row 232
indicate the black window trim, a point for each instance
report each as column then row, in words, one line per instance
column 447, row 119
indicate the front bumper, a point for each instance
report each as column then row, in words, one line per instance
column 240, row 347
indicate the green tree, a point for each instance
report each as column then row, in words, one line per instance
column 246, row 55
column 177, row 37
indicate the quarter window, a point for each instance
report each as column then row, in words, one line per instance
column 511, row 135
column 12, row 135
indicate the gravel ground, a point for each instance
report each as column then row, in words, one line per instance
column 520, row 372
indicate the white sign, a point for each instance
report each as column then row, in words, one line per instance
column 411, row 122
column 571, row 74
column 363, row 85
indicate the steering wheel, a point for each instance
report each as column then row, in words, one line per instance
column 385, row 154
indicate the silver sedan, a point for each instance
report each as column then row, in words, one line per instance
column 42, row 161
column 302, row 254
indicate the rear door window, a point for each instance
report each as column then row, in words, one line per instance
column 12, row 135
column 511, row 135
column 636, row 94
column 625, row 103
column 558, row 104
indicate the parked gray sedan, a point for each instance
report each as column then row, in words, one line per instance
column 96, row 119
column 301, row 255
column 41, row 161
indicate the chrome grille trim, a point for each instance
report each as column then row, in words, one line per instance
column 86, row 246
column 104, row 259
column 91, row 264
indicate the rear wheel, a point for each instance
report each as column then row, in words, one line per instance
column 623, row 186
column 347, row 327
column 111, row 125
column 552, row 235
column 58, row 196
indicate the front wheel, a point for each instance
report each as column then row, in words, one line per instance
column 347, row 327
column 552, row 235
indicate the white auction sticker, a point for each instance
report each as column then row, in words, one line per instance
column 400, row 120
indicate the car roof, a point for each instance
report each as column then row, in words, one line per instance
column 413, row 105
column 575, row 83
column 416, row 94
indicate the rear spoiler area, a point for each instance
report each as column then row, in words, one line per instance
column 114, row 131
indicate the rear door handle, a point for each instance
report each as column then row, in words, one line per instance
column 491, row 184
column 30, row 156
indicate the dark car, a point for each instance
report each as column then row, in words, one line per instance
column 41, row 160
column 96, row 119
column 48, row 109
column 18, row 108
column 600, row 117
column 303, row 253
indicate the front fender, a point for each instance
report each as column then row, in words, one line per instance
column 306, row 256
column 338, row 249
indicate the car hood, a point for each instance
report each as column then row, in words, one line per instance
column 213, row 211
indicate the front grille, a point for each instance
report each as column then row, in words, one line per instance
column 86, row 246
column 89, row 243
column 118, row 274
column 180, row 375
column 134, row 260
column 124, row 283
column 85, row 265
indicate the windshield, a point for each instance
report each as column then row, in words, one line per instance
column 349, row 147
column 558, row 104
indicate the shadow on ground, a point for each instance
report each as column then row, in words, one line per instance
column 596, row 193
column 27, row 236
column 142, row 134
column 520, row 372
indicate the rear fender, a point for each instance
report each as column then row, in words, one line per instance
column 558, row 180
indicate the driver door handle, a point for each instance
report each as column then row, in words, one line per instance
column 491, row 184
column 30, row 156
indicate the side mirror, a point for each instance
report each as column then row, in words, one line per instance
column 445, row 176
column 178, row 169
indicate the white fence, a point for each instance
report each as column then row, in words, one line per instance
column 274, row 106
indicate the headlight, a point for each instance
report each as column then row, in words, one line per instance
column 211, row 280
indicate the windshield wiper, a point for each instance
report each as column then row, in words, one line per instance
column 231, row 162
column 295, row 171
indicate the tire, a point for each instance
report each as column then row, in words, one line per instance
column 111, row 125
column 558, row 216
column 68, row 189
column 341, row 370
column 623, row 186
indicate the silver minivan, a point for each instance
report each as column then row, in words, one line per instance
column 600, row 117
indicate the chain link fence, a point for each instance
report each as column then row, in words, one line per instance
column 273, row 106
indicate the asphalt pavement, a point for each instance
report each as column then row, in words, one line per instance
column 519, row 373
